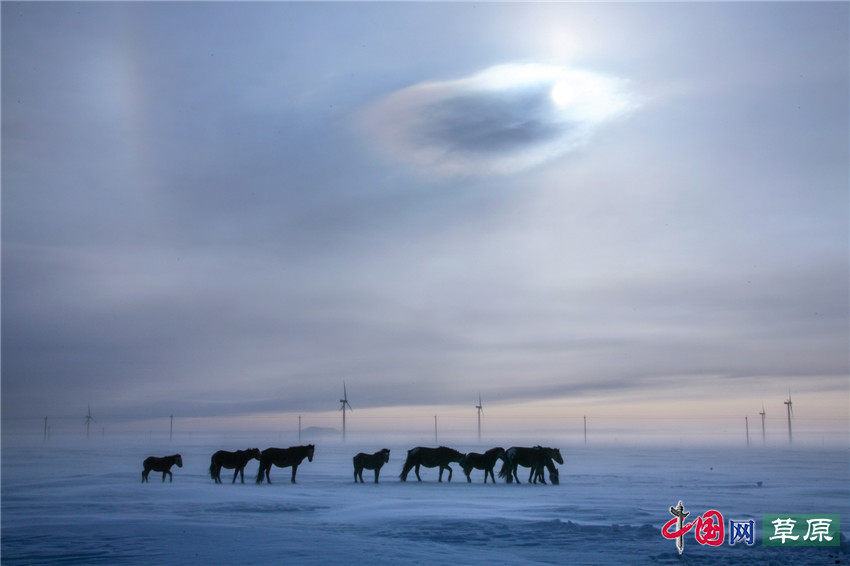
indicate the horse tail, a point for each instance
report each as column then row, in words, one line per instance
column 212, row 467
column 261, row 470
column 505, row 472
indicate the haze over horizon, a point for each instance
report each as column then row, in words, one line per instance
column 620, row 210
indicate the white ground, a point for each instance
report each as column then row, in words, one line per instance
column 85, row 504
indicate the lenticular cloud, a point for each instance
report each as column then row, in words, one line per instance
column 502, row 120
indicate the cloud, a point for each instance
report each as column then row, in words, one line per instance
column 502, row 120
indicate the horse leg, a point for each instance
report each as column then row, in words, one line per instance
column 144, row 476
column 516, row 476
column 377, row 473
column 235, row 473
column 449, row 468
column 355, row 474
column 294, row 469
column 416, row 469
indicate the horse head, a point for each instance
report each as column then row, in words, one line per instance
column 499, row 452
column 555, row 454
column 310, row 449
column 178, row 460
column 385, row 453
column 254, row 453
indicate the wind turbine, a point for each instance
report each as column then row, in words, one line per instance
column 480, row 408
column 790, row 412
column 89, row 420
column 762, row 424
column 345, row 403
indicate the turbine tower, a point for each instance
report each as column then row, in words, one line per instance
column 345, row 403
column 89, row 420
column 790, row 412
column 763, row 441
column 480, row 408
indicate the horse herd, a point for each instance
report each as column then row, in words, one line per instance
column 536, row 459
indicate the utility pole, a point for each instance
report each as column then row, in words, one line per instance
column 763, row 439
column 435, row 430
column 747, row 423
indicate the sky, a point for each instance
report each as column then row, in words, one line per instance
column 226, row 210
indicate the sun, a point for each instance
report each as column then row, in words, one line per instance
column 562, row 94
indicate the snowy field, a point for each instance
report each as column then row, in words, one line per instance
column 84, row 503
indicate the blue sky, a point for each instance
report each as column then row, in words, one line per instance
column 227, row 209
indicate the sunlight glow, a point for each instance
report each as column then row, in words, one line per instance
column 562, row 94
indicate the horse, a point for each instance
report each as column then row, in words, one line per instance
column 486, row 462
column 554, row 475
column 549, row 455
column 232, row 461
column 370, row 462
column 161, row 465
column 430, row 458
column 534, row 458
column 282, row 458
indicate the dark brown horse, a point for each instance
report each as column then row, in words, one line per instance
column 232, row 461
column 283, row 458
column 430, row 458
column 370, row 462
column 550, row 454
column 554, row 475
column 486, row 462
column 535, row 458
column 161, row 465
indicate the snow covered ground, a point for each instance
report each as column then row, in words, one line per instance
column 84, row 503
